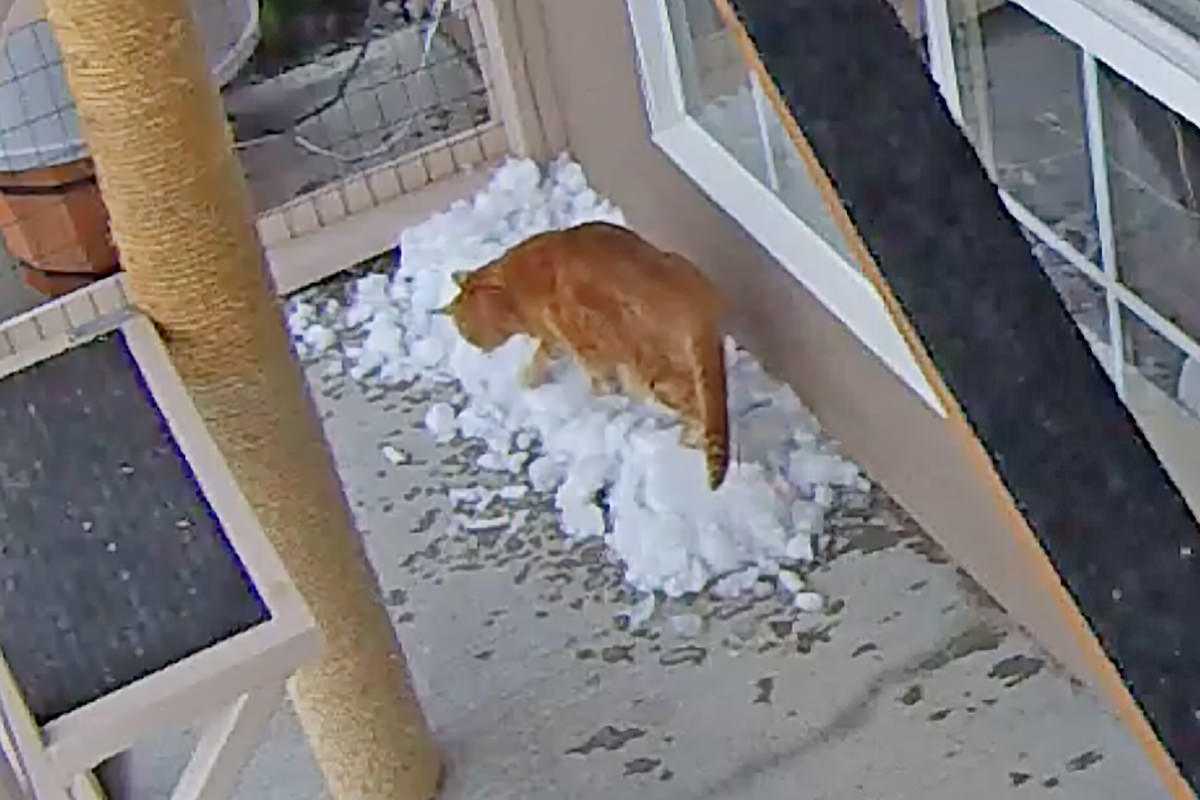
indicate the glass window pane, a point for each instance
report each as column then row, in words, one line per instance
column 719, row 94
column 1022, row 96
column 1084, row 299
column 716, row 85
column 796, row 188
column 1160, row 363
column 1153, row 160
column 1183, row 14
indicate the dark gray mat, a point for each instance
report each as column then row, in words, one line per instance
column 112, row 564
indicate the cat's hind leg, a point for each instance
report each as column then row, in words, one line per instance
column 693, row 434
column 602, row 380
column 533, row 374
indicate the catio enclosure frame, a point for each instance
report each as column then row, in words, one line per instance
column 328, row 205
column 351, row 219
column 232, row 687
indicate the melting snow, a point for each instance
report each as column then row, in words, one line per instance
column 615, row 468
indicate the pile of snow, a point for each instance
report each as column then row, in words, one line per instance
column 615, row 468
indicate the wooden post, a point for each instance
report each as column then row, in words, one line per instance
column 183, row 222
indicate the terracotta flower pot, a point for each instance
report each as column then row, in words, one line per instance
column 53, row 219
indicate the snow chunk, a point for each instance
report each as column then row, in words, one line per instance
column 615, row 468
column 809, row 602
column 687, row 626
column 642, row 611
column 441, row 421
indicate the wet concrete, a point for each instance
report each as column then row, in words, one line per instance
column 909, row 684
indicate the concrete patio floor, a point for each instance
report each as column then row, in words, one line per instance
column 910, row 685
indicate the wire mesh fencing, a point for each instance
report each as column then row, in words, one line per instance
column 335, row 106
column 345, row 105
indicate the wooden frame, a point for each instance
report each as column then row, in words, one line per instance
column 350, row 220
column 510, row 79
column 241, row 677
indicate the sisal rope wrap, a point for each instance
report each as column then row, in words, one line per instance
column 182, row 218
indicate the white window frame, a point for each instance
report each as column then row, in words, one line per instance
column 836, row 283
column 1161, row 60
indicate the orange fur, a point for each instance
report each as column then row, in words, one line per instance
column 631, row 315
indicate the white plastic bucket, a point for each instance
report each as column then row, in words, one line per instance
column 38, row 123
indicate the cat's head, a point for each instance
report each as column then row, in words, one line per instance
column 483, row 310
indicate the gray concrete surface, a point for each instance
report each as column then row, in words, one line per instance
column 910, row 685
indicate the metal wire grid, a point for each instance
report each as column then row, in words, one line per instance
column 51, row 213
column 38, row 130
column 375, row 114
column 362, row 117
column 38, row 124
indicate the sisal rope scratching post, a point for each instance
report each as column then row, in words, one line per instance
column 182, row 218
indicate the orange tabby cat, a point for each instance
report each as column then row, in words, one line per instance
column 631, row 315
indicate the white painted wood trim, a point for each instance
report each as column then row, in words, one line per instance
column 10, row 786
column 800, row 250
column 184, row 691
column 87, row 787
column 1136, row 43
column 940, row 45
column 1094, row 115
column 502, row 34
column 216, row 482
column 297, row 263
column 1128, row 298
column 662, row 87
column 227, row 744
column 1154, row 31
column 36, row 770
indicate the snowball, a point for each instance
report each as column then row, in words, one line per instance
column 641, row 612
column 808, row 602
column 582, row 520
column 428, row 351
column 319, row 338
column 799, row 548
column 440, row 420
column 545, row 473
column 394, row 456
column 515, row 492
column 492, row 462
column 485, row 524
column 791, row 581
column 686, row 626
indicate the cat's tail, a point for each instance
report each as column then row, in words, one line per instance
column 714, row 404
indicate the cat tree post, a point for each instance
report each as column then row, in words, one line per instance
column 182, row 219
